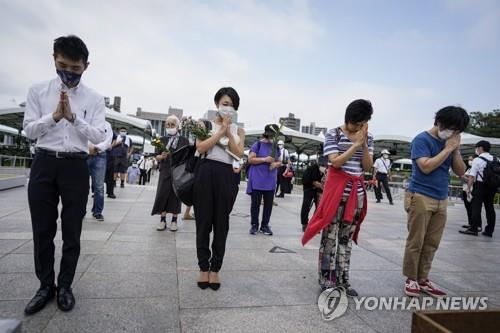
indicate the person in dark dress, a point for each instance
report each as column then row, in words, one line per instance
column 312, row 187
column 286, row 183
column 166, row 202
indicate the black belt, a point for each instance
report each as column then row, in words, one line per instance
column 62, row 155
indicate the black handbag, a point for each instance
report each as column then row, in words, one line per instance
column 184, row 165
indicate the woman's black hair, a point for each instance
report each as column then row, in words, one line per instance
column 231, row 93
column 71, row 47
column 358, row 111
column 452, row 117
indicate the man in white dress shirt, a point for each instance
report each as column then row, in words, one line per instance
column 481, row 191
column 382, row 167
column 97, row 169
column 63, row 115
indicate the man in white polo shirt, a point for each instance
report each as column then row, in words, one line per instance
column 382, row 167
column 482, row 192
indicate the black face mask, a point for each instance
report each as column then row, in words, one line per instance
column 70, row 79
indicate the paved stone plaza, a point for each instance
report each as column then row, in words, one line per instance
column 132, row 278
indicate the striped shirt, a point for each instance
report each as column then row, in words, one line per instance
column 340, row 145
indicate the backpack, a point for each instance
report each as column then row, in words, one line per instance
column 491, row 172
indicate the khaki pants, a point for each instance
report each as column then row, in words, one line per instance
column 426, row 221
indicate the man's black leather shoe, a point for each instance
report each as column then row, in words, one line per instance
column 41, row 298
column 65, row 299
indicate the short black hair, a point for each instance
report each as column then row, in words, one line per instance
column 71, row 47
column 358, row 111
column 231, row 93
column 452, row 117
column 123, row 128
column 485, row 145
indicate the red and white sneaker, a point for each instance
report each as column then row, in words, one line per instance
column 412, row 288
column 429, row 288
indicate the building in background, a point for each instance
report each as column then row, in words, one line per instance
column 314, row 130
column 291, row 122
column 176, row 112
column 116, row 106
column 158, row 119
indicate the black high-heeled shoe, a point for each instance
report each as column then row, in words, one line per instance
column 214, row 285
column 203, row 284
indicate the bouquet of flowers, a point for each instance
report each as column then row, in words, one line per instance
column 199, row 131
column 159, row 145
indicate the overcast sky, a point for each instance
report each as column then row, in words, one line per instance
column 311, row 58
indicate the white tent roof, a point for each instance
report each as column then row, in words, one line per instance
column 13, row 117
column 466, row 138
column 294, row 140
column 8, row 130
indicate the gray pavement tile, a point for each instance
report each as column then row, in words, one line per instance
column 253, row 260
column 386, row 321
column 126, row 285
column 286, row 319
column 24, row 263
column 141, row 237
column 150, row 247
column 10, row 245
column 20, row 286
column 158, row 263
column 118, row 315
column 86, row 247
column 30, row 324
column 187, row 240
column 135, row 278
column 467, row 281
column 24, row 235
column 250, row 288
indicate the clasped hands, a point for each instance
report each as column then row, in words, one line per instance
column 63, row 109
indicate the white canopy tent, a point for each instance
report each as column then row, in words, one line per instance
column 295, row 141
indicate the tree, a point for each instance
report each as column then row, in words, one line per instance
column 485, row 124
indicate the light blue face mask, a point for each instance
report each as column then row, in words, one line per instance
column 229, row 110
column 70, row 79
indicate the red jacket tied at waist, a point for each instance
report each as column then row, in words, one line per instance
column 332, row 196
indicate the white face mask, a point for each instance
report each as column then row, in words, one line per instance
column 227, row 110
column 385, row 156
column 280, row 146
column 445, row 134
column 123, row 132
column 171, row 131
column 322, row 169
column 470, row 163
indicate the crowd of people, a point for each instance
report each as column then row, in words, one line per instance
column 74, row 142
